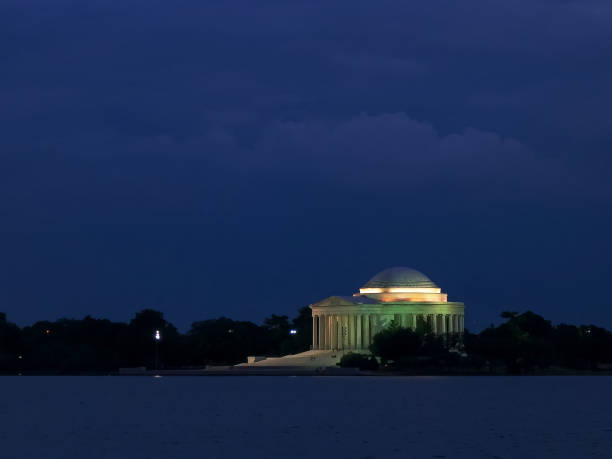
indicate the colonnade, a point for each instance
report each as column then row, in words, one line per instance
column 355, row 331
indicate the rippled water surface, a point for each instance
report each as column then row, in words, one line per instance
column 305, row 417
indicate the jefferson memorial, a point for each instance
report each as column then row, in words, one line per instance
column 342, row 324
column 401, row 295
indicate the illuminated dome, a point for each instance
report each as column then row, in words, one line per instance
column 400, row 277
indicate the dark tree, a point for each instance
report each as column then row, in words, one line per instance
column 225, row 341
column 10, row 345
column 73, row 345
column 522, row 343
column 395, row 343
column 303, row 325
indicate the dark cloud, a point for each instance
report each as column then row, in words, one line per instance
column 149, row 152
column 390, row 148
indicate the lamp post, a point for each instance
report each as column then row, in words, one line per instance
column 157, row 337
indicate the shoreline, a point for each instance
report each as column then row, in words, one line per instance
column 327, row 371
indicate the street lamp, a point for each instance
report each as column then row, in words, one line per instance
column 157, row 337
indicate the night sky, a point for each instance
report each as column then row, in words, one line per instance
column 244, row 158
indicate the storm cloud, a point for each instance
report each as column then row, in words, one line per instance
column 149, row 151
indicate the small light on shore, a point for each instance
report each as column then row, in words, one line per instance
column 293, row 331
column 157, row 335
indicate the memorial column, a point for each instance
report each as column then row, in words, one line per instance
column 334, row 332
column 358, row 331
column 373, row 326
column 321, row 332
column 344, row 331
column 350, row 336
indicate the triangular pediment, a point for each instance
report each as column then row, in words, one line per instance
column 334, row 301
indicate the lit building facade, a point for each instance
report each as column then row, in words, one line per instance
column 401, row 295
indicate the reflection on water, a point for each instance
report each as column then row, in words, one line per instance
column 309, row 417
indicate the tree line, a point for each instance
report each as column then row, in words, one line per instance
column 522, row 343
column 100, row 345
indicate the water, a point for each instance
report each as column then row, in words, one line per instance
column 305, row 417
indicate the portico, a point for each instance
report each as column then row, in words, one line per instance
column 402, row 296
